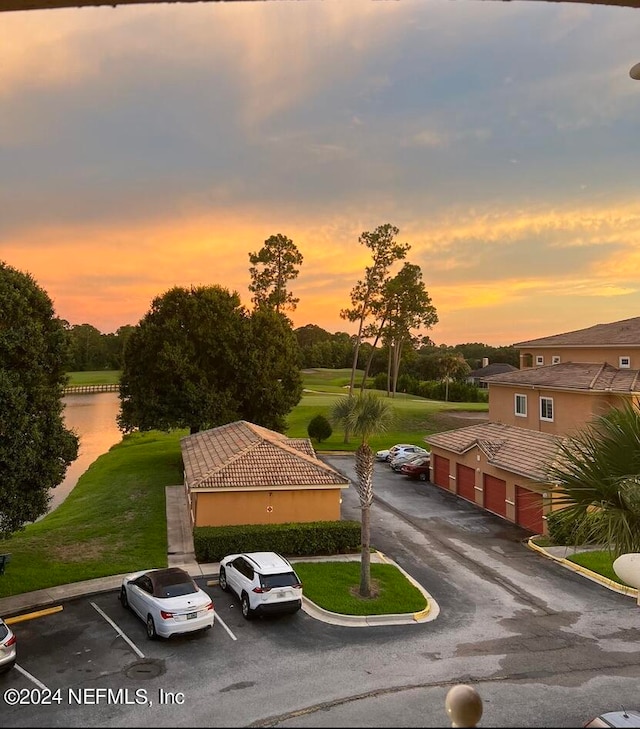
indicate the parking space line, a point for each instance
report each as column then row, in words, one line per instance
column 224, row 625
column 39, row 684
column 119, row 631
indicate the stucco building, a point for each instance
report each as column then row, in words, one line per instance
column 242, row 473
column 565, row 381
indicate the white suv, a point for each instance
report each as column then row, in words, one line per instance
column 265, row 582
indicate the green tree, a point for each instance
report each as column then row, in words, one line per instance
column 364, row 415
column 452, row 366
column 596, row 481
column 366, row 293
column 408, row 307
column 269, row 378
column 88, row 349
column 272, row 267
column 319, row 428
column 182, row 362
column 198, row 359
column 35, row 447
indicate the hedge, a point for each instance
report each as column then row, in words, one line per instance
column 291, row 540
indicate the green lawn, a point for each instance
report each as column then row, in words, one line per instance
column 97, row 377
column 112, row 522
column 334, row 586
column 600, row 562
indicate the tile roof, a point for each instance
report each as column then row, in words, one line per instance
column 592, row 376
column 625, row 332
column 492, row 369
column 521, row 451
column 243, row 454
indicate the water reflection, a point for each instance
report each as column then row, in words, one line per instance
column 93, row 418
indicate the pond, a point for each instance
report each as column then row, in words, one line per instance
column 93, row 419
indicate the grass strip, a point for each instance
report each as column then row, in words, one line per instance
column 334, row 586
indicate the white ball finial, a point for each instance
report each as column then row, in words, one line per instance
column 464, row 706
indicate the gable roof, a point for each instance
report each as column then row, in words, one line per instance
column 625, row 332
column 494, row 368
column 521, row 451
column 586, row 376
column 242, row 454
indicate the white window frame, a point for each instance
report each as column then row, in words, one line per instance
column 523, row 400
column 539, row 359
column 555, row 359
column 548, row 400
column 624, row 362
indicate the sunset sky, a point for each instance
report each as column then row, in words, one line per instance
column 144, row 147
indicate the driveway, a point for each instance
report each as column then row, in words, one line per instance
column 543, row 646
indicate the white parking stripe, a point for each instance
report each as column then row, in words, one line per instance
column 118, row 631
column 224, row 625
column 30, row 677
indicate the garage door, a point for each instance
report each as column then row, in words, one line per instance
column 495, row 494
column 466, row 480
column 529, row 510
column 441, row 471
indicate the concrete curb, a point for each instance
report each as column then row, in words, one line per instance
column 431, row 612
column 593, row 576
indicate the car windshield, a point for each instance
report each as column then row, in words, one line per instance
column 284, row 579
column 419, row 461
column 4, row 631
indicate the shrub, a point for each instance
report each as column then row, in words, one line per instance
column 291, row 540
column 319, row 428
column 565, row 529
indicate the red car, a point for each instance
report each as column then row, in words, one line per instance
column 417, row 468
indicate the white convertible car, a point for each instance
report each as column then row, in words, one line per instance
column 168, row 601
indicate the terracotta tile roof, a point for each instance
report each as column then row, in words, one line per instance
column 521, row 451
column 243, row 454
column 625, row 332
column 594, row 376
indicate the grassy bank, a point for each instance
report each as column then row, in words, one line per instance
column 112, row 522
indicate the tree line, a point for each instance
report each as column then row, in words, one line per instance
column 197, row 359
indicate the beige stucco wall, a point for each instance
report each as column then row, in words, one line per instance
column 582, row 354
column 477, row 459
column 221, row 508
column 571, row 410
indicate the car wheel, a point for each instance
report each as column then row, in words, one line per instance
column 247, row 612
column 151, row 628
column 124, row 600
column 222, row 580
column 423, row 476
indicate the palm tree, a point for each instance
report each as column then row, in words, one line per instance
column 363, row 415
column 597, row 481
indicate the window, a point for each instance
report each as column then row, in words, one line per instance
column 546, row 408
column 539, row 359
column 555, row 359
column 521, row 405
column 625, row 361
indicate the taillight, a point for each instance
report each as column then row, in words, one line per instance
column 297, row 586
column 261, row 589
column 165, row 615
column 11, row 641
column 210, row 606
